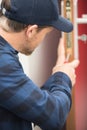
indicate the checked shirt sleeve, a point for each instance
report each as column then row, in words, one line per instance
column 47, row 107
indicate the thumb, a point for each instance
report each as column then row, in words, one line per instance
column 74, row 63
column 61, row 52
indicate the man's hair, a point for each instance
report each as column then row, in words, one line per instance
column 8, row 24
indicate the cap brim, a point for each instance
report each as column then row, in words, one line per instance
column 63, row 24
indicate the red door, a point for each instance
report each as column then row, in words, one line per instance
column 81, row 85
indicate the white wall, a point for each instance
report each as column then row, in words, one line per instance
column 38, row 66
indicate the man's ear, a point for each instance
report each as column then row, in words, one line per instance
column 31, row 30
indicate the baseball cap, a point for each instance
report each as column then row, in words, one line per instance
column 40, row 12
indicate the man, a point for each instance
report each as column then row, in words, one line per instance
column 23, row 25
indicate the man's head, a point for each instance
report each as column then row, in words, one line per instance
column 29, row 21
column 40, row 12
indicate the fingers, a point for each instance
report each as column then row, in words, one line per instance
column 74, row 63
column 62, row 64
column 61, row 52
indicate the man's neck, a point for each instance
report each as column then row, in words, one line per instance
column 14, row 39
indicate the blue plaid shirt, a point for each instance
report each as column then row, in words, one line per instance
column 22, row 102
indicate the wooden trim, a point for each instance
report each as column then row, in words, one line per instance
column 69, row 46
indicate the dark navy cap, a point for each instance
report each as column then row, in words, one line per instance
column 40, row 12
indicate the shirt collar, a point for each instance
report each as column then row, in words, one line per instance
column 6, row 45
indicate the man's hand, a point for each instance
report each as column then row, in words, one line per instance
column 63, row 66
